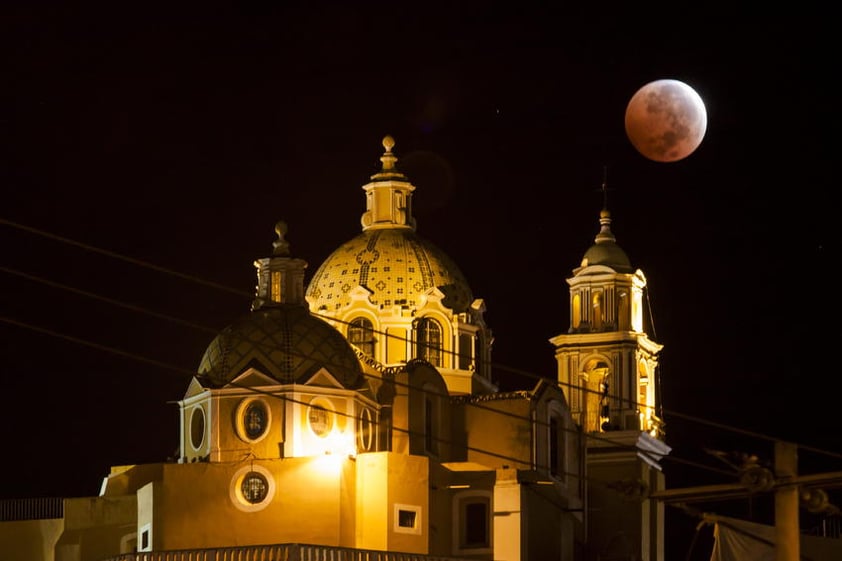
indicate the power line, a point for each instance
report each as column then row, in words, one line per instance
column 162, row 316
column 252, row 389
column 591, row 436
column 107, row 300
column 752, row 434
column 498, row 366
column 91, row 344
column 578, row 432
column 617, row 486
column 121, row 257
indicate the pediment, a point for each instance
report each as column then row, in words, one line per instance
column 434, row 294
column 478, row 305
column 360, row 292
column 323, row 378
column 194, row 388
column 546, row 389
column 253, row 378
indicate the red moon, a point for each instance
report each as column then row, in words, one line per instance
column 666, row 120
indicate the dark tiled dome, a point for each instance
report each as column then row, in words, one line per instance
column 283, row 341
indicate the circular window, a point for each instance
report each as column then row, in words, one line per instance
column 253, row 419
column 320, row 418
column 197, row 427
column 252, row 488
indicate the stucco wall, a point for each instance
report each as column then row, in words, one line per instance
column 29, row 540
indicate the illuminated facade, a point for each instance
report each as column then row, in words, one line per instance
column 356, row 414
column 607, row 367
column 397, row 296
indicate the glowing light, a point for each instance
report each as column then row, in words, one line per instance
column 327, row 463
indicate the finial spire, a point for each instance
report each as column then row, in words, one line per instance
column 389, row 194
column 605, row 187
column 280, row 278
column 388, row 158
column 281, row 246
column 605, row 234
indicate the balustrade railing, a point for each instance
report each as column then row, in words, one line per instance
column 31, row 509
column 280, row 552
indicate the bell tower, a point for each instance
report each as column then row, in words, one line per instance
column 608, row 370
column 607, row 364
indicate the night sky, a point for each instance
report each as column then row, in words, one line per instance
column 147, row 155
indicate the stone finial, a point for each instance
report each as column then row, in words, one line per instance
column 388, row 158
column 281, row 246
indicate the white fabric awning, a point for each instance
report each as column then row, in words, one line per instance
column 741, row 540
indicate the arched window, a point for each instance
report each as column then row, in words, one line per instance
column 361, row 335
column 466, row 351
column 577, row 310
column 623, row 314
column 472, row 528
column 644, row 403
column 557, row 443
column 597, row 311
column 428, row 341
column 596, row 387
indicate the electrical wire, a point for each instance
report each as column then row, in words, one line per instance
column 252, row 389
column 591, row 481
column 497, row 366
column 114, row 255
column 589, row 435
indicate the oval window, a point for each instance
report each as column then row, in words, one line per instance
column 254, row 420
column 364, row 432
column 197, row 427
column 320, row 419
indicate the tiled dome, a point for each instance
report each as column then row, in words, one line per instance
column 388, row 258
column 396, row 265
column 280, row 337
column 285, row 342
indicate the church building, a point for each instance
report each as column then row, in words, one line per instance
column 353, row 415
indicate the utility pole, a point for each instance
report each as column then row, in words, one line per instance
column 789, row 489
column 787, row 530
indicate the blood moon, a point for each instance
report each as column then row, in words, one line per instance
column 666, row 120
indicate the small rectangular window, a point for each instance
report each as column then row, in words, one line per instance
column 145, row 538
column 406, row 518
column 276, row 286
column 472, row 530
column 557, row 440
column 476, row 525
column 554, row 448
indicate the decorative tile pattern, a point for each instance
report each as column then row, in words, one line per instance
column 284, row 342
column 395, row 264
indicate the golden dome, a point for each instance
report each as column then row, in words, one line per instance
column 395, row 265
column 388, row 258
